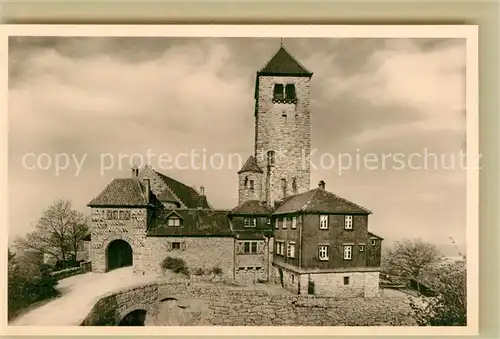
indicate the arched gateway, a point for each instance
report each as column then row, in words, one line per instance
column 118, row 254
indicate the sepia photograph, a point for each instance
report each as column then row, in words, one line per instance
column 291, row 177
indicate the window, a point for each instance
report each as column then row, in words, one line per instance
column 246, row 182
column 294, row 222
column 361, row 248
column 287, row 92
column 117, row 215
column 250, row 247
column 280, row 248
column 251, row 186
column 250, row 222
column 346, row 280
column 323, row 252
column 347, row 252
column 294, row 185
column 290, row 250
column 174, row 221
column 277, row 223
column 269, row 221
column 270, row 158
column 323, row 222
column 285, row 220
column 278, row 92
column 293, row 278
column 258, row 268
column 290, row 92
column 374, row 242
column 176, row 245
column 283, row 187
column 348, row 222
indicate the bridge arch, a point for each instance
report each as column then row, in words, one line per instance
column 133, row 316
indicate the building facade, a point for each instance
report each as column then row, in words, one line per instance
column 309, row 241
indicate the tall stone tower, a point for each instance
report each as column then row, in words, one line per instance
column 282, row 127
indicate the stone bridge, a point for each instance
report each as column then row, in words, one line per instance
column 184, row 304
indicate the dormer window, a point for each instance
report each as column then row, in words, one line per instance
column 174, row 221
column 284, row 93
column 250, row 222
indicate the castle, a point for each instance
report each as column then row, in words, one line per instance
column 310, row 241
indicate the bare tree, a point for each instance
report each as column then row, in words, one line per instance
column 410, row 257
column 58, row 232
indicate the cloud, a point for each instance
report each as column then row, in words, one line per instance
column 123, row 95
column 404, row 75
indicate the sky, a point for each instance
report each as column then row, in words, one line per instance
column 94, row 100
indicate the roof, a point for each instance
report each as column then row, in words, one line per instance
column 250, row 166
column 253, row 207
column 194, row 222
column 122, row 192
column 167, row 196
column 283, row 63
column 373, row 235
column 319, row 200
column 186, row 194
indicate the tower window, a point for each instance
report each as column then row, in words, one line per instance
column 278, row 92
column 251, row 186
column 246, row 182
column 283, row 187
column 270, row 158
column 284, row 92
column 290, row 92
column 294, row 185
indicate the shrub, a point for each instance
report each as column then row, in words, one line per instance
column 217, row 271
column 27, row 284
column 176, row 265
column 199, row 271
column 449, row 307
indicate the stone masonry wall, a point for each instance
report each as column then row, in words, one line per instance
column 230, row 306
column 197, row 252
column 104, row 231
column 286, row 129
column 333, row 284
column 361, row 284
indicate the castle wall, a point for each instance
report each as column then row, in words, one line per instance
column 198, row 253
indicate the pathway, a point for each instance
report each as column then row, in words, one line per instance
column 78, row 295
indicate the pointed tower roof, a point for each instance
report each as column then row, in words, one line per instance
column 283, row 63
column 250, row 166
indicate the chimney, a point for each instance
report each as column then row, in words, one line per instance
column 135, row 172
column 147, row 185
column 202, row 190
column 322, row 184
